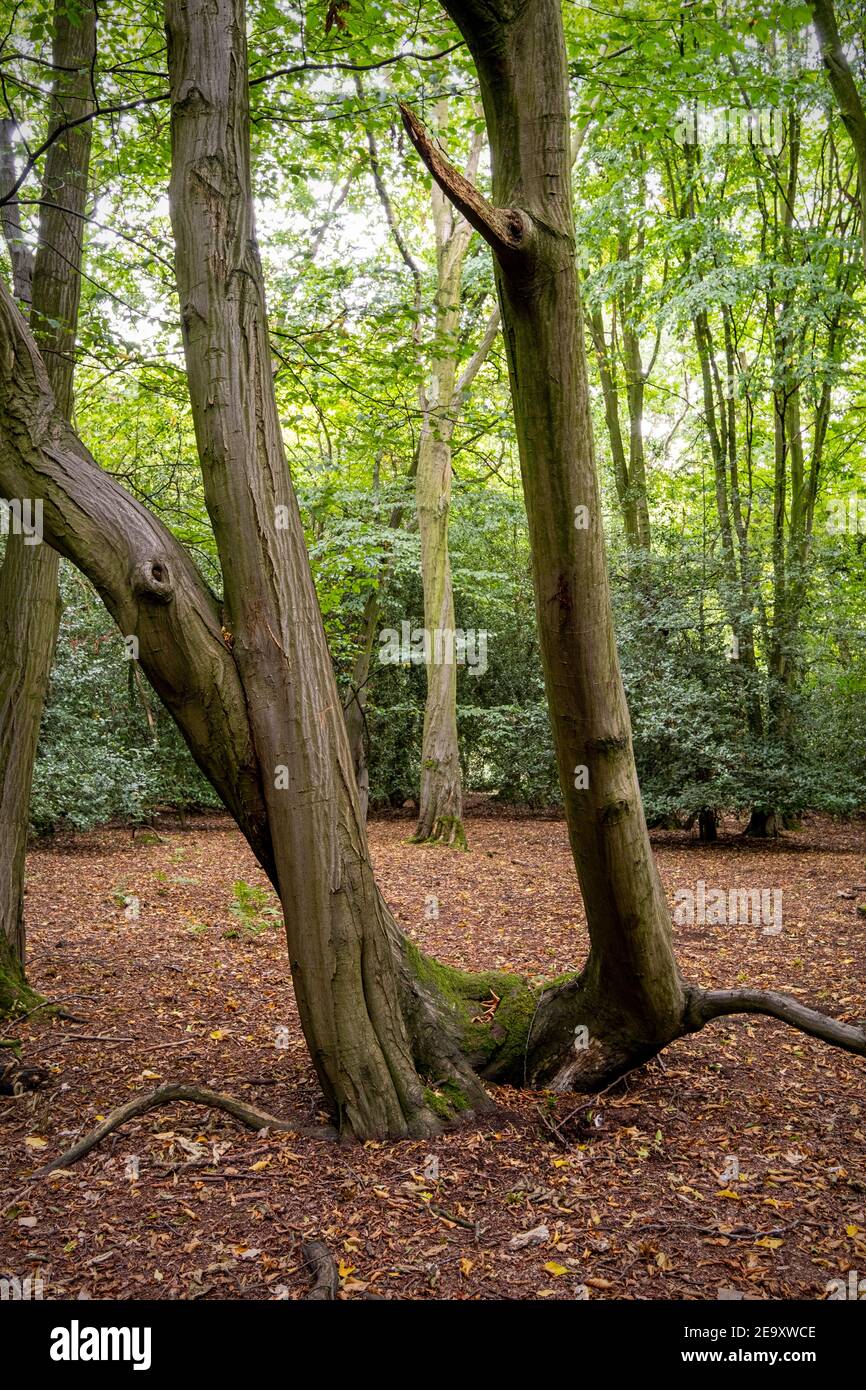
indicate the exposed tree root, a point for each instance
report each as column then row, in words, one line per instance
column 578, row 1039
column 17, row 999
column 166, row 1095
column 703, row 1005
column 326, row 1276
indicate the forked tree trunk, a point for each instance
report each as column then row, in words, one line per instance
column 630, row 999
column 394, row 1036
column 29, row 595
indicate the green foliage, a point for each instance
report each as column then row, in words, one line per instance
column 100, row 758
column 666, row 233
column 253, row 907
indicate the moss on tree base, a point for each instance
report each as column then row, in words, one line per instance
column 448, row 831
column 16, row 996
column 491, row 1013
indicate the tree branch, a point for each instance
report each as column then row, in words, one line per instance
column 391, row 217
column 354, row 67
column 507, row 230
column 476, row 361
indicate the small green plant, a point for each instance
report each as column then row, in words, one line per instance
column 252, row 907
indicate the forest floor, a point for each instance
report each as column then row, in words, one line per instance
column 734, row 1163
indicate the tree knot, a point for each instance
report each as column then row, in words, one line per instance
column 151, row 580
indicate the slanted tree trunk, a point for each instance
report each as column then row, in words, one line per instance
column 630, row 996
column 29, row 595
column 344, row 950
column 629, row 999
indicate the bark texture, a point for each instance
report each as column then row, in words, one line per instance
column 344, row 949
column 629, row 1000
column 29, row 595
column 629, row 996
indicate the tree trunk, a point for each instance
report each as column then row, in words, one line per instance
column 610, row 396
column 355, row 707
column 848, row 98
column 355, row 704
column 440, row 816
column 345, row 953
column 29, row 596
column 763, row 825
column 629, row 996
column 629, row 1000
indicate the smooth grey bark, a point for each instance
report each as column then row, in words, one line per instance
column 440, row 398
column 440, row 813
column 29, row 594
